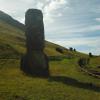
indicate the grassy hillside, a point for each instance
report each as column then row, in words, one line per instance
column 67, row 80
column 14, row 37
column 10, row 20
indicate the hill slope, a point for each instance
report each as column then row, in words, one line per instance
column 5, row 17
column 67, row 81
column 12, row 39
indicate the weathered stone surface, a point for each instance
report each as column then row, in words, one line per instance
column 34, row 29
column 35, row 62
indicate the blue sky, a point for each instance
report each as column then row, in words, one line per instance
column 70, row 23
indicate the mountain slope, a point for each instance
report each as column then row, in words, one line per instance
column 5, row 17
column 12, row 37
column 67, row 81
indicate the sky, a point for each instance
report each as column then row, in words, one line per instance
column 70, row 23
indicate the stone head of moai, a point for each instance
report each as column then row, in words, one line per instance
column 34, row 29
column 33, row 18
column 35, row 61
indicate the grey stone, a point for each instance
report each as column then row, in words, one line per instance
column 35, row 62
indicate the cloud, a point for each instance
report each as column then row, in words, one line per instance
column 67, row 22
column 85, row 44
column 54, row 5
column 50, row 9
column 86, row 29
column 97, row 19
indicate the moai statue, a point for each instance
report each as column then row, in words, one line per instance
column 35, row 62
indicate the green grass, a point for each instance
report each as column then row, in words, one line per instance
column 94, row 63
column 15, row 38
column 67, row 82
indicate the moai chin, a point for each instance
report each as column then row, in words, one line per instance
column 35, row 62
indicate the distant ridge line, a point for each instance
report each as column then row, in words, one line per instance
column 7, row 18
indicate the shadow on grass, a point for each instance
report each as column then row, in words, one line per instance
column 75, row 83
